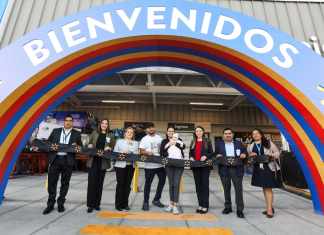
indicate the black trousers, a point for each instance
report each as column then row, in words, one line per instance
column 201, row 177
column 96, row 177
column 57, row 168
column 238, row 186
column 149, row 176
column 124, row 178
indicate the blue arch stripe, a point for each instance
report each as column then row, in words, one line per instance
column 300, row 118
column 57, row 102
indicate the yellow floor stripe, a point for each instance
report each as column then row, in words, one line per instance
column 93, row 229
column 155, row 216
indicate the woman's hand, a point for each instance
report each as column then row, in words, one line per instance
column 253, row 154
column 203, row 158
column 191, row 159
column 90, row 146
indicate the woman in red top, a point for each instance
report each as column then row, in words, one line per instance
column 200, row 150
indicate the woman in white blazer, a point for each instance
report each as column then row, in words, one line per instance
column 124, row 170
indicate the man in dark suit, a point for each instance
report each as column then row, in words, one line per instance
column 230, row 148
column 61, row 164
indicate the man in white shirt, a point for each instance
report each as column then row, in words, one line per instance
column 149, row 146
column 61, row 164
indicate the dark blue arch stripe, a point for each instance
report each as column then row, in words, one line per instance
column 300, row 118
column 251, row 96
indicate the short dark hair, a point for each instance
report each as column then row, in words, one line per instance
column 150, row 124
column 228, row 129
column 170, row 126
column 68, row 116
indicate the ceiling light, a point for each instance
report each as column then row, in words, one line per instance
column 118, row 101
column 206, row 104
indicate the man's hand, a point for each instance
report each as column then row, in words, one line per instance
column 191, row 159
column 219, row 155
column 243, row 156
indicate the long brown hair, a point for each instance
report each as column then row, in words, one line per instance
column 99, row 125
column 264, row 141
column 204, row 139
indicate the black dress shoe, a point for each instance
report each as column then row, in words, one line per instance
column 265, row 212
column 240, row 214
column 90, row 210
column 146, row 206
column 158, row 204
column 98, row 208
column 60, row 208
column 119, row 209
column 227, row 211
column 204, row 211
column 127, row 208
column 48, row 210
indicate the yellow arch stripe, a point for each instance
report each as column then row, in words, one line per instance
column 6, row 104
column 300, row 132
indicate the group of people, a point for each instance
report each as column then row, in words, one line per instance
column 265, row 175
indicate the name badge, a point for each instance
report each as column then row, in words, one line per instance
column 108, row 139
column 238, row 152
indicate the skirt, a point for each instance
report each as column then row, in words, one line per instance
column 265, row 178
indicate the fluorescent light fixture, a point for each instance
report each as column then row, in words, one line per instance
column 206, row 104
column 118, row 101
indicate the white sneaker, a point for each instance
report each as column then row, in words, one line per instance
column 176, row 211
column 169, row 208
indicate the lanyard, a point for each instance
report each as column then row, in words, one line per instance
column 259, row 148
column 66, row 136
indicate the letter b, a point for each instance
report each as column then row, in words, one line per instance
column 36, row 52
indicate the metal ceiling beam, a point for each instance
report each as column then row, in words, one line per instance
column 161, row 89
column 219, row 84
column 169, row 79
column 180, row 80
column 150, row 84
column 236, row 102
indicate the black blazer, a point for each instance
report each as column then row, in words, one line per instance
column 164, row 151
column 206, row 149
column 55, row 139
column 220, row 149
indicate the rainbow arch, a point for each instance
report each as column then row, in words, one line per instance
column 290, row 109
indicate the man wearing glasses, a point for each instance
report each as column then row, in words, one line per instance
column 61, row 163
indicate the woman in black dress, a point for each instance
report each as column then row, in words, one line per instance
column 103, row 140
column 265, row 175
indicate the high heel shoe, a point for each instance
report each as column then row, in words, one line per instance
column 269, row 216
column 265, row 212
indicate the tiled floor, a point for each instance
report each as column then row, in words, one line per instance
column 21, row 212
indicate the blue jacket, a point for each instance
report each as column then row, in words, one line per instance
column 220, row 149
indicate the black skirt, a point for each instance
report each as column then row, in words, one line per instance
column 265, row 178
